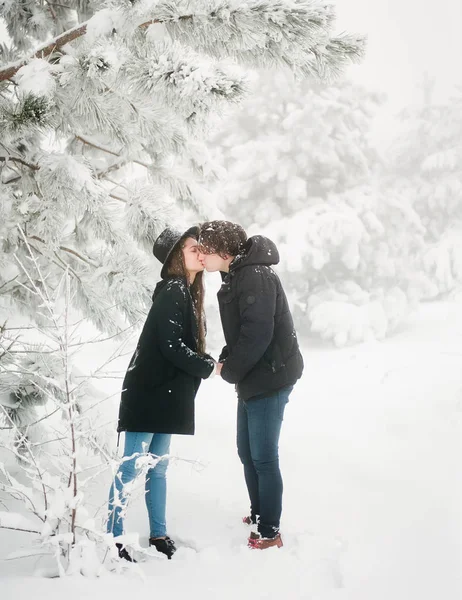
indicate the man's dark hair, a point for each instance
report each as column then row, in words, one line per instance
column 222, row 237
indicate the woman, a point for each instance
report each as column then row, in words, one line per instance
column 162, row 381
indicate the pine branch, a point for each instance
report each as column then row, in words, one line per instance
column 44, row 51
column 116, row 183
column 63, row 268
column 13, row 180
column 115, row 167
column 99, row 175
column 275, row 32
column 117, row 198
column 108, row 151
column 64, row 249
column 93, row 145
column 20, row 161
column 52, row 10
column 57, row 43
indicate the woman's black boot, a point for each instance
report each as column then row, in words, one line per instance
column 165, row 545
column 123, row 553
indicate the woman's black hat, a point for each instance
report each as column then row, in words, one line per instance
column 166, row 243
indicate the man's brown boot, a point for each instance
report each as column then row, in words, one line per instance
column 253, row 539
column 258, row 543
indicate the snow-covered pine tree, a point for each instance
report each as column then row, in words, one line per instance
column 426, row 166
column 104, row 107
column 294, row 143
column 302, row 169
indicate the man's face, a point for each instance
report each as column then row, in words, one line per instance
column 212, row 262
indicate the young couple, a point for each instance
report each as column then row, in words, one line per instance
column 261, row 358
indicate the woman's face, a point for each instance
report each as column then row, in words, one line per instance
column 191, row 256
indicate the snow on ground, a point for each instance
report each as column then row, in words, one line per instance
column 370, row 452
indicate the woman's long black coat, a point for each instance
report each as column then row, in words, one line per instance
column 164, row 373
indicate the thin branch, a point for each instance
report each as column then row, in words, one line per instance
column 115, row 167
column 45, row 50
column 64, row 249
column 13, row 180
column 116, row 183
column 35, row 422
column 11, row 490
column 109, row 151
column 7, row 350
column 20, row 161
column 93, row 145
column 52, row 10
column 61, row 5
column 19, row 529
column 63, row 268
column 6, row 283
column 32, row 457
column 117, row 198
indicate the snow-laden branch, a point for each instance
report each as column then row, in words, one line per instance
column 294, row 33
column 45, row 50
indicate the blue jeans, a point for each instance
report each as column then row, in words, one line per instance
column 259, row 423
column 138, row 444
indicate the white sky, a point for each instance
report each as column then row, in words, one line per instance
column 405, row 39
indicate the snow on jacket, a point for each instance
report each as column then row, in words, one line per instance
column 261, row 353
column 164, row 373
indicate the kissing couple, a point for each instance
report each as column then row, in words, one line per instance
column 261, row 358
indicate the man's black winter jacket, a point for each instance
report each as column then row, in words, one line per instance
column 261, row 353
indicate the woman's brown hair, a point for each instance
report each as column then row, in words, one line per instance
column 176, row 266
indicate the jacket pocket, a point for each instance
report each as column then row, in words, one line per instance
column 273, row 357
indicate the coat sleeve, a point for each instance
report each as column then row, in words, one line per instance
column 257, row 305
column 170, row 333
column 223, row 354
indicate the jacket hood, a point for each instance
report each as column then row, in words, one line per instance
column 259, row 250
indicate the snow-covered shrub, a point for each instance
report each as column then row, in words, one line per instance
column 302, row 169
column 426, row 163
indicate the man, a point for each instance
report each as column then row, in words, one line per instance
column 261, row 358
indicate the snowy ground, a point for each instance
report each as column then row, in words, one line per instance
column 370, row 454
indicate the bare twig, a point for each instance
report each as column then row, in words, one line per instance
column 7, row 282
column 38, row 420
column 19, row 529
column 31, row 456
column 64, row 249
column 52, row 10
column 110, row 150
column 22, row 162
column 117, row 198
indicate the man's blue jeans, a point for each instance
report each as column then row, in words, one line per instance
column 138, row 444
column 259, row 423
